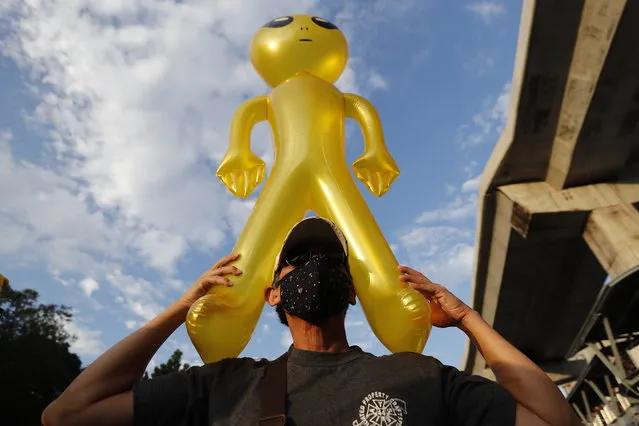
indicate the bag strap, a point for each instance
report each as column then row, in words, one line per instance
column 273, row 408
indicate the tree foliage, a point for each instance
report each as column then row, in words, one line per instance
column 35, row 362
column 174, row 364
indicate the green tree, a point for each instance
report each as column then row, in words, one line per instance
column 174, row 364
column 35, row 362
column 4, row 282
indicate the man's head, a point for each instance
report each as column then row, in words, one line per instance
column 312, row 279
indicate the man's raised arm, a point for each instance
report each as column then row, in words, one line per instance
column 103, row 393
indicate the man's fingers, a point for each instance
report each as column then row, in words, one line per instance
column 225, row 260
column 408, row 270
column 226, row 270
column 416, row 277
column 211, row 280
column 429, row 288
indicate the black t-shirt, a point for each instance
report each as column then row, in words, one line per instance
column 350, row 388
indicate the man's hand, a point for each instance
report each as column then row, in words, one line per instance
column 447, row 309
column 212, row 277
column 103, row 392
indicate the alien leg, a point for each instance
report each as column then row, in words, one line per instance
column 398, row 315
column 221, row 323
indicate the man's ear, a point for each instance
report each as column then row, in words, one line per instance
column 272, row 295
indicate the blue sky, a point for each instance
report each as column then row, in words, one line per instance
column 114, row 115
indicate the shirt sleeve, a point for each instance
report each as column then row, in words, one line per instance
column 474, row 400
column 176, row 399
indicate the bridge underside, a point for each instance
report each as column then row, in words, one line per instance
column 559, row 195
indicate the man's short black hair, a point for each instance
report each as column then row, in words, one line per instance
column 281, row 314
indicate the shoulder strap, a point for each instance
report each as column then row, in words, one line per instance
column 273, row 409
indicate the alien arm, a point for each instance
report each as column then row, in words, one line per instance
column 362, row 111
column 245, row 118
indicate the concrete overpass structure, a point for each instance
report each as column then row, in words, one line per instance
column 558, row 198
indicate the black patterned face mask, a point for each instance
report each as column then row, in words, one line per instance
column 316, row 290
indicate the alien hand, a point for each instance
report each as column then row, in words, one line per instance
column 377, row 170
column 241, row 172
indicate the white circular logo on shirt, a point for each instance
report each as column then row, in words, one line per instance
column 379, row 409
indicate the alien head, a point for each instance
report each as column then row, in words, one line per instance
column 290, row 45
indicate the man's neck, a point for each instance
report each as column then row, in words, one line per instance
column 330, row 337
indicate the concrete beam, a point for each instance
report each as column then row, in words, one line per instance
column 612, row 233
column 599, row 22
column 498, row 244
column 547, row 35
column 532, row 262
column 528, row 281
column 540, row 212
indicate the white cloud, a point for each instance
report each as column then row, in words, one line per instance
column 441, row 251
column 487, row 124
column 87, row 341
column 453, row 266
column 136, row 294
column 462, row 207
column 487, row 10
column 89, row 285
column 369, row 14
column 480, row 63
column 270, row 314
column 239, row 212
column 139, row 114
column 420, row 57
column 365, row 345
column 286, row 340
column 49, row 218
column 137, row 111
column 354, row 324
column 471, row 185
column 358, row 331
column 469, row 169
column 376, row 81
column 160, row 249
column 136, row 100
column 433, row 240
column 500, row 109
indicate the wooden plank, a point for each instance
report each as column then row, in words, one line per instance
column 612, row 233
column 598, row 25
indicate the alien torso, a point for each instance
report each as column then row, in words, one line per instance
column 307, row 114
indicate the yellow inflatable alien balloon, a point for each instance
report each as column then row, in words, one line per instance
column 301, row 57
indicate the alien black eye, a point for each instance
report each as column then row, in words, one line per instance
column 324, row 23
column 280, row 22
